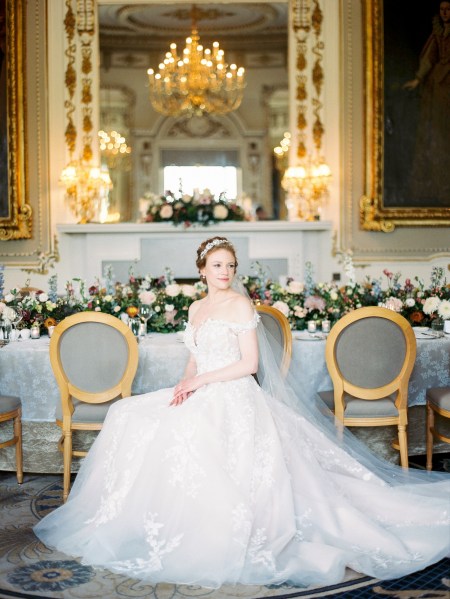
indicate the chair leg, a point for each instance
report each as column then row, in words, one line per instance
column 67, row 458
column 19, row 456
column 430, row 427
column 403, row 442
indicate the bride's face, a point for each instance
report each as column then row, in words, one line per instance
column 219, row 269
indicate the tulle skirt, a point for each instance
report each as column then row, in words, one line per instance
column 235, row 487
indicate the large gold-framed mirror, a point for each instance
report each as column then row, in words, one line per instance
column 135, row 36
column 15, row 212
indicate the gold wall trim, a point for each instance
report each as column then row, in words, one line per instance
column 18, row 223
column 17, row 252
column 374, row 216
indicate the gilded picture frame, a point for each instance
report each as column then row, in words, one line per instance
column 391, row 118
column 15, row 212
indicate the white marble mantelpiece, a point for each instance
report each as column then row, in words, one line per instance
column 283, row 247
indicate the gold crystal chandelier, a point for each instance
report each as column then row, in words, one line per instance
column 87, row 187
column 196, row 82
column 114, row 148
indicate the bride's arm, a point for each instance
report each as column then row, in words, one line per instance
column 191, row 368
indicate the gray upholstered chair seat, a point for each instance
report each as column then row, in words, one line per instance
column 94, row 356
column 362, row 408
column 439, row 397
column 88, row 412
column 9, row 403
column 371, row 351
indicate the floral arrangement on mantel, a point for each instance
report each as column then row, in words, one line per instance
column 199, row 209
column 169, row 301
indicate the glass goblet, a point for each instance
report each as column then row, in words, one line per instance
column 134, row 326
column 145, row 311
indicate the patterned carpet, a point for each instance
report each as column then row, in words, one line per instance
column 29, row 570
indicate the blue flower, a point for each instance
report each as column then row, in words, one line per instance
column 51, row 575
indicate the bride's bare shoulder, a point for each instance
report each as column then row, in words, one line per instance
column 194, row 307
column 242, row 308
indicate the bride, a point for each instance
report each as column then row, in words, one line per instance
column 218, row 481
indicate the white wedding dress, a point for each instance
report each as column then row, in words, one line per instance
column 233, row 486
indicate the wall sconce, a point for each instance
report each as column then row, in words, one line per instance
column 307, row 188
column 87, row 188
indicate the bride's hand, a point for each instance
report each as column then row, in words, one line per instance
column 184, row 389
column 179, row 398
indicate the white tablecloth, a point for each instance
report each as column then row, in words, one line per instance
column 25, row 370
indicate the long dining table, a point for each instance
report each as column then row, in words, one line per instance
column 25, row 371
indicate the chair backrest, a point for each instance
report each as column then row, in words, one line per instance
column 94, row 357
column 279, row 335
column 370, row 353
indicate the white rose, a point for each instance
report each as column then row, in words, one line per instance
column 42, row 297
column 116, row 309
column 409, row 302
column 186, row 198
column 188, row 290
column 108, row 298
column 282, row 307
column 295, row 287
column 166, row 211
column 169, row 307
column 431, row 304
column 333, row 296
column 157, row 309
column 300, row 312
column 97, row 309
column 220, row 212
column 9, row 313
column 173, row 290
column 147, row 297
column 9, row 297
column 444, row 309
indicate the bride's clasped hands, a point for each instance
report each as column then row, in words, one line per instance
column 184, row 390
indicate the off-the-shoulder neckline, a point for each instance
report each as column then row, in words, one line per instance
column 222, row 321
column 233, row 322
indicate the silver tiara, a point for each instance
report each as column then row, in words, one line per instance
column 209, row 246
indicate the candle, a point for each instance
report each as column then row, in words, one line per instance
column 35, row 332
column 312, row 326
column 325, row 326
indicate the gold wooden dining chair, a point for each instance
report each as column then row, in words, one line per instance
column 438, row 402
column 94, row 357
column 370, row 353
column 279, row 335
column 11, row 409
